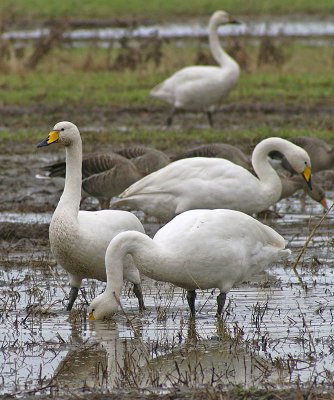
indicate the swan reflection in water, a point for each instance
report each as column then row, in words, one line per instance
column 119, row 356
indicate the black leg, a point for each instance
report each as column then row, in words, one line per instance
column 191, row 296
column 73, row 295
column 210, row 119
column 139, row 294
column 220, row 301
column 169, row 120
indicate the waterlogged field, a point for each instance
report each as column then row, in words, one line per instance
column 277, row 328
column 277, row 332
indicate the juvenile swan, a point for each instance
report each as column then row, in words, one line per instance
column 199, row 249
column 210, row 183
column 79, row 239
column 202, row 87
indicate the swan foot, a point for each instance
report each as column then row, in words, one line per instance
column 73, row 295
column 139, row 294
column 191, row 296
column 210, row 119
column 221, row 298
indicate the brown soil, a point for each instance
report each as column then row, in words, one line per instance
column 232, row 117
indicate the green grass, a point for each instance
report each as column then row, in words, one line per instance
column 65, row 76
column 76, row 83
column 158, row 9
column 92, row 89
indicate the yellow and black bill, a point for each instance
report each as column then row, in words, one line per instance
column 307, row 176
column 52, row 138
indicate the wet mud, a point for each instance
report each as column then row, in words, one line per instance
column 277, row 329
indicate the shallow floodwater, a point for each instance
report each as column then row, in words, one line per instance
column 275, row 329
column 273, row 27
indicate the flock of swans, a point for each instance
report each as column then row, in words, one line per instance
column 205, row 197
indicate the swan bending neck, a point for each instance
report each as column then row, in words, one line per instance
column 264, row 170
column 132, row 244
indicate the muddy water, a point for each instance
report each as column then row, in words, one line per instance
column 275, row 330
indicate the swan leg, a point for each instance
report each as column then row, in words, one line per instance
column 220, row 301
column 210, row 119
column 73, row 295
column 139, row 294
column 191, row 296
column 169, row 120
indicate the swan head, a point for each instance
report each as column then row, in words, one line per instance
column 103, row 306
column 298, row 161
column 221, row 17
column 64, row 132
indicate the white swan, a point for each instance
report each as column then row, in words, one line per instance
column 202, row 87
column 79, row 239
column 290, row 184
column 199, row 182
column 199, row 249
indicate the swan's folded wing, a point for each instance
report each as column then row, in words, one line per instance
column 183, row 77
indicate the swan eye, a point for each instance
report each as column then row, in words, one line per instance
column 62, row 129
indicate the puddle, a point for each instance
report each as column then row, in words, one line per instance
column 28, row 218
column 275, row 331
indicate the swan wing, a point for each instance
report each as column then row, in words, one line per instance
column 196, row 86
column 196, row 183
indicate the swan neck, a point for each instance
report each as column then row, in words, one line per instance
column 136, row 245
column 263, row 169
column 221, row 57
column 72, row 190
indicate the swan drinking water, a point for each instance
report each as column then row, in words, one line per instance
column 198, row 249
column 210, row 183
column 79, row 239
column 202, row 87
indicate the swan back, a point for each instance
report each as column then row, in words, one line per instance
column 221, row 150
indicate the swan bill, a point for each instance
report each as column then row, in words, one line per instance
column 52, row 138
column 91, row 316
column 307, row 176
